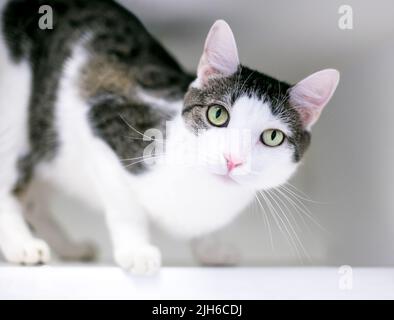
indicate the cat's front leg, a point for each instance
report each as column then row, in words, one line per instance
column 126, row 219
column 130, row 239
column 129, row 231
column 16, row 242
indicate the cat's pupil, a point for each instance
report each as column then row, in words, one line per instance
column 218, row 113
column 273, row 135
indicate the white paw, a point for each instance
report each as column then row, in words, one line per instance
column 144, row 260
column 28, row 252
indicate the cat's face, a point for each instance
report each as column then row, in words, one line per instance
column 250, row 128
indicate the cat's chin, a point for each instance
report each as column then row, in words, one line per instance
column 226, row 179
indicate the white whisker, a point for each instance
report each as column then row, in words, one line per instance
column 295, row 206
column 267, row 222
column 287, row 208
column 280, row 222
column 134, row 129
column 293, row 242
column 303, row 196
column 290, row 225
column 302, row 208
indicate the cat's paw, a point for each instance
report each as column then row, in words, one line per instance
column 28, row 252
column 144, row 260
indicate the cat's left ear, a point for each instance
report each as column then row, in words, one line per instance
column 220, row 56
column 312, row 94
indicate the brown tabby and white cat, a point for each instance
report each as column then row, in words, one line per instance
column 71, row 97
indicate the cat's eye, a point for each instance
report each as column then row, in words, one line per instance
column 272, row 137
column 218, row 115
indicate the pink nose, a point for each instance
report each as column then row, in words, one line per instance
column 232, row 163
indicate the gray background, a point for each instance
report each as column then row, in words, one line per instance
column 348, row 169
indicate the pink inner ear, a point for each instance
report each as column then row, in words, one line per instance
column 220, row 56
column 308, row 116
column 207, row 71
column 312, row 94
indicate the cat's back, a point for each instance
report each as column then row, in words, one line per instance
column 104, row 53
column 38, row 29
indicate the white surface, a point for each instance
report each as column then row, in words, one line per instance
column 89, row 282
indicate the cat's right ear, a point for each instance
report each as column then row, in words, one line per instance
column 220, row 56
column 312, row 94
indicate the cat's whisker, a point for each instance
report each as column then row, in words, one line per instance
column 142, row 157
column 134, row 129
column 134, row 163
column 285, row 221
column 267, row 222
column 303, row 195
column 281, row 224
column 296, row 198
column 272, row 191
column 294, row 231
column 302, row 208
column 296, row 202
column 269, row 205
column 146, row 140
column 143, row 160
column 295, row 207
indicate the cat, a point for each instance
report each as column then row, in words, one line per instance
column 86, row 108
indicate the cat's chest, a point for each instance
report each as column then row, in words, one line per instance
column 189, row 202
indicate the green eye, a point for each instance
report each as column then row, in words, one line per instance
column 218, row 116
column 272, row 137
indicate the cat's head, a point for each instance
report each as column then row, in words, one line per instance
column 249, row 127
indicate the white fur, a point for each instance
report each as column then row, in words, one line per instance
column 14, row 97
column 16, row 241
column 159, row 103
